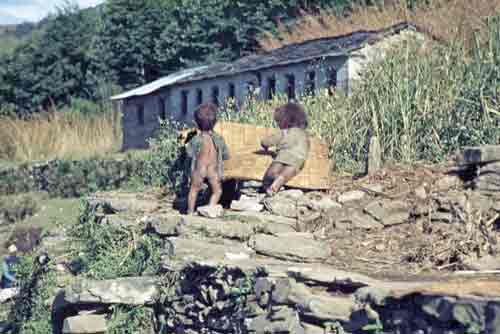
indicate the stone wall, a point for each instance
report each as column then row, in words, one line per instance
column 68, row 178
column 136, row 133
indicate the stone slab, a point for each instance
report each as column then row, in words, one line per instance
column 85, row 324
column 130, row 291
column 292, row 247
column 195, row 250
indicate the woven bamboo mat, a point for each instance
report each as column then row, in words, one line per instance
column 249, row 162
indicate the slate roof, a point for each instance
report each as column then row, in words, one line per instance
column 290, row 54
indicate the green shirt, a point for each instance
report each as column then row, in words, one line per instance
column 292, row 146
column 194, row 146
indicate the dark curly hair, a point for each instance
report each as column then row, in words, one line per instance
column 290, row 115
column 205, row 116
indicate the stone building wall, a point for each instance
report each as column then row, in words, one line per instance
column 139, row 125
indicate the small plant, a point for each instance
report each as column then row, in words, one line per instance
column 17, row 208
column 104, row 251
column 165, row 164
column 375, row 328
column 37, row 282
column 130, row 320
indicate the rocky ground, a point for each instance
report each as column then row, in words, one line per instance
column 401, row 251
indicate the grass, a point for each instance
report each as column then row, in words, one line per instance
column 70, row 135
column 49, row 215
column 448, row 20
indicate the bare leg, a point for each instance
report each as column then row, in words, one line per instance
column 215, row 186
column 287, row 172
column 271, row 174
column 196, row 184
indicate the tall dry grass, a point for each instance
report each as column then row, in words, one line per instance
column 59, row 135
column 445, row 19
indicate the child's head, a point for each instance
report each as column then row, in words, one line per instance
column 205, row 116
column 290, row 115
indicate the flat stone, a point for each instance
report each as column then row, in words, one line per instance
column 291, row 193
column 283, row 320
column 247, row 204
column 389, row 212
column 290, row 247
column 320, row 306
column 354, row 218
column 130, row 290
column 324, row 204
column 120, row 220
column 487, row 262
column 192, row 250
column 116, row 203
column 375, row 188
column 329, row 276
column 212, row 228
column 420, row 193
column 480, row 154
column 211, row 211
column 448, row 182
column 85, row 324
column 354, row 195
column 263, row 222
column 164, row 225
column 281, row 206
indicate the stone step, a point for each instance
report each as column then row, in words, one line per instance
column 291, row 247
column 129, row 291
column 85, row 324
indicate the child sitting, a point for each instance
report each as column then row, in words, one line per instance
column 8, row 264
column 292, row 147
column 207, row 151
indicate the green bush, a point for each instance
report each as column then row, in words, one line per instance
column 30, row 313
column 165, row 163
column 104, row 251
column 17, row 208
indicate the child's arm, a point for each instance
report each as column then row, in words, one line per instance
column 272, row 140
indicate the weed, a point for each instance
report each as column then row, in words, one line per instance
column 30, row 313
column 17, row 208
column 104, row 251
column 130, row 320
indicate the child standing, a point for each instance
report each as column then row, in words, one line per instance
column 207, row 152
column 292, row 147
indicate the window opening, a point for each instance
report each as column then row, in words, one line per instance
column 271, row 87
column 215, row 95
column 140, row 114
column 232, row 90
column 184, row 102
column 332, row 80
column 199, row 96
column 161, row 107
column 310, row 82
column 290, row 91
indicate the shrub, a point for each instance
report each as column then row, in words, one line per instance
column 17, row 208
column 104, row 251
column 165, row 163
column 30, row 313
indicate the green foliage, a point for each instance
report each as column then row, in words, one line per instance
column 104, row 251
column 130, row 320
column 70, row 178
column 17, row 208
column 31, row 314
column 165, row 163
column 53, row 65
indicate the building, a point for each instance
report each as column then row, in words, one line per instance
column 333, row 62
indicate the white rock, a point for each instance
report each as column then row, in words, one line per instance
column 211, row 211
column 247, row 204
column 354, row 195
